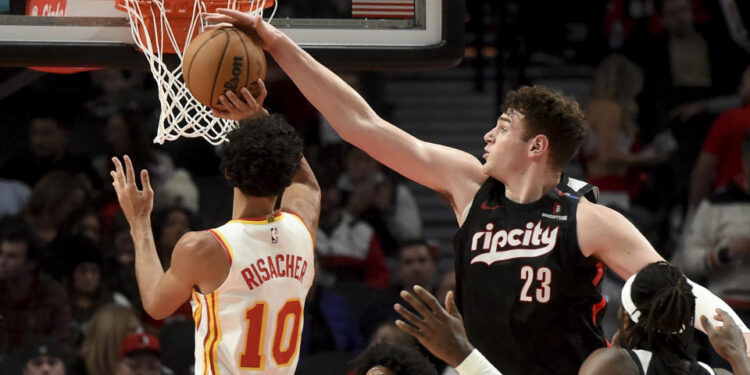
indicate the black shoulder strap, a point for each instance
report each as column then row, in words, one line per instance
column 637, row 362
column 582, row 189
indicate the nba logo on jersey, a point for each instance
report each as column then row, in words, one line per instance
column 556, row 209
column 274, row 235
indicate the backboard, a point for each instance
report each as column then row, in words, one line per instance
column 350, row 34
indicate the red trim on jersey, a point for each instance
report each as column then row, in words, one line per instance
column 215, row 342
column 596, row 308
column 262, row 218
column 599, row 274
column 224, row 245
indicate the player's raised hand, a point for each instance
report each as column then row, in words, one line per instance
column 726, row 340
column 239, row 108
column 254, row 26
column 439, row 330
column 136, row 204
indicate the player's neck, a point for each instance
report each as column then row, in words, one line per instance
column 531, row 185
column 245, row 206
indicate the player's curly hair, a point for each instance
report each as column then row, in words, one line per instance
column 666, row 302
column 552, row 113
column 402, row 360
column 261, row 156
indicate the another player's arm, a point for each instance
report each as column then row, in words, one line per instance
column 302, row 197
column 161, row 292
column 614, row 361
column 728, row 342
column 453, row 173
column 609, row 237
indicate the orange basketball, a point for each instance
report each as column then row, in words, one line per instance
column 222, row 60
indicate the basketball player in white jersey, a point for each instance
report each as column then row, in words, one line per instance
column 248, row 278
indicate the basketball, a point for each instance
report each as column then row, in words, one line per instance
column 222, row 60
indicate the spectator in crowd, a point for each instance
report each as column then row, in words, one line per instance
column 330, row 324
column 13, row 196
column 52, row 201
column 447, row 284
column 125, row 135
column 32, row 303
column 120, row 262
column 416, row 266
column 387, row 332
column 84, row 222
column 49, row 137
column 390, row 359
column 348, row 247
column 84, row 281
column 387, row 206
column 717, row 246
column 719, row 162
column 140, row 355
column 609, row 150
column 101, row 345
column 44, row 356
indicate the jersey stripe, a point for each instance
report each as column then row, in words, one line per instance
column 224, row 244
column 259, row 220
column 197, row 314
column 206, row 339
column 212, row 302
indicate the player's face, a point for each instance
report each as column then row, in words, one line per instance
column 13, row 261
column 44, row 365
column 416, row 266
column 505, row 152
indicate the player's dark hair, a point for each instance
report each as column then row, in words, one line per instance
column 552, row 113
column 261, row 156
column 402, row 360
column 666, row 303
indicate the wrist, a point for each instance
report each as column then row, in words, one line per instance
column 460, row 355
column 140, row 227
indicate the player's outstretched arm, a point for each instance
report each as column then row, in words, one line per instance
column 609, row 237
column 302, row 197
column 455, row 174
column 161, row 293
column 441, row 331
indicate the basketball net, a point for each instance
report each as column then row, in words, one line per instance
column 168, row 26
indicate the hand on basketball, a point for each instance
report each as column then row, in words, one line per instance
column 726, row 340
column 254, row 26
column 237, row 109
column 136, row 204
column 439, row 330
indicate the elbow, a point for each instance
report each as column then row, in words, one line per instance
column 155, row 311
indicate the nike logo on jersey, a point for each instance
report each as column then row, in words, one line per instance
column 516, row 243
column 484, row 206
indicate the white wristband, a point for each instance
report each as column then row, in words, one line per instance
column 476, row 364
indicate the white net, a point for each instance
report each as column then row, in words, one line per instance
column 181, row 114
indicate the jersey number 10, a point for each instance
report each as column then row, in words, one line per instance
column 252, row 357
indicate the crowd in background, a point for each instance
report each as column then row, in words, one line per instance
column 668, row 108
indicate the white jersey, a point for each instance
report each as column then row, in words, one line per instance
column 252, row 323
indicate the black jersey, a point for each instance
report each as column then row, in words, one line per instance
column 530, row 300
column 650, row 364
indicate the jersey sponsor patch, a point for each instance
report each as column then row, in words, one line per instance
column 514, row 243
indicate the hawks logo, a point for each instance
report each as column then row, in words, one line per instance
column 521, row 243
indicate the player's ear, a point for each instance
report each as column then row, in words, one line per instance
column 538, row 145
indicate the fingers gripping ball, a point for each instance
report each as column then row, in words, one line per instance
column 222, row 60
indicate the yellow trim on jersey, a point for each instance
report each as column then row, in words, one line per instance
column 224, row 243
column 197, row 314
column 208, row 337
column 259, row 222
column 212, row 357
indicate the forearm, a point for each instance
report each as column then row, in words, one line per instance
column 148, row 268
column 476, row 364
column 740, row 364
column 306, row 177
column 706, row 304
column 340, row 104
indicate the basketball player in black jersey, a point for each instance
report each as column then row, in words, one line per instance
column 531, row 248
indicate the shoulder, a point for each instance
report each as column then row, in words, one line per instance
column 613, row 361
column 198, row 245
